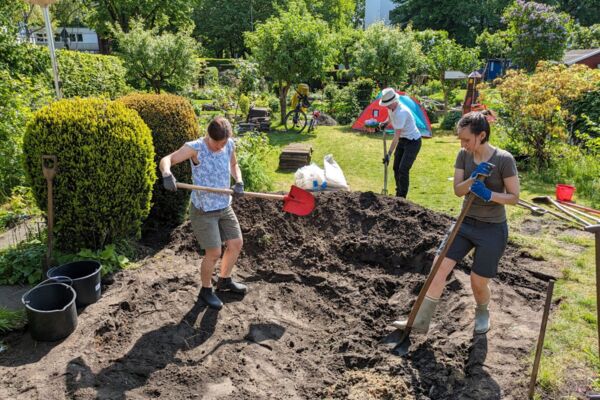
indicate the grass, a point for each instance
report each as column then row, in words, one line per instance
column 359, row 155
column 569, row 365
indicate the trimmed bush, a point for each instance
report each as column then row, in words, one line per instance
column 105, row 169
column 172, row 122
column 450, row 120
column 84, row 74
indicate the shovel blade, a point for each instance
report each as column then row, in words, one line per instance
column 298, row 201
column 398, row 341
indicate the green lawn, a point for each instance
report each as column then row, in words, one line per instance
column 570, row 356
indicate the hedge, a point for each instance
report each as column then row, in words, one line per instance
column 172, row 122
column 105, row 170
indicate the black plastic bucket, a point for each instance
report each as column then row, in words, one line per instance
column 51, row 311
column 86, row 279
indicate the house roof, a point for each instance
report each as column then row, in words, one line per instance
column 455, row 75
column 573, row 56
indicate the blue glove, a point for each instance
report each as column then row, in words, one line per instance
column 478, row 189
column 484, row 169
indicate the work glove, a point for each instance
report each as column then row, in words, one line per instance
column 479, row 189
column 170, row 183
column 386, row 159
column 484, row 168
column 382, row 125
column 238, row 190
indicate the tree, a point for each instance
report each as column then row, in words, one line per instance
column 171, row 15
column 584, row 37
column 290, row 48
column 494, row 45
column 386, row 54
column 537, row 32
column 71, row 12
column 536, row 106
column 584, row 12
column 220, row 25
column 448, row 55
column 463, row 20
column 338, row 13
column 428, row 38
column 344, row 41
column 158, row 60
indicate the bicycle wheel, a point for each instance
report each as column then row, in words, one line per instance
column 312, row 125
column 295, row 121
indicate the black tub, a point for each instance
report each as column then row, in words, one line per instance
column 51, row 311
column 86, row 279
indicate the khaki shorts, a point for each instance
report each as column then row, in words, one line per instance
column 213, row 228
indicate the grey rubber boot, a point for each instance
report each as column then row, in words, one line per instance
column 482, row 319
column 423, row 318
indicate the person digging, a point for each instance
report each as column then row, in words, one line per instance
column 213, row 220
column 407, row 139
column 484, row 227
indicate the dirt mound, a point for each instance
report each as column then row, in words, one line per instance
column 322, row 290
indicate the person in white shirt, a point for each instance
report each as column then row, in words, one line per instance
column 407, row 139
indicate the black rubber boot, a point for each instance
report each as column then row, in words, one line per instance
column 210, row 298
column 228, row 284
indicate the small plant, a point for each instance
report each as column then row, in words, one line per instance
column 11, row 320
column 22, row 263
column 20, row 206
column 109, row 257
column 252, row 153
column 265, row 240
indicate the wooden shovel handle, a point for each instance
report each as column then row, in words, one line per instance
column 268, row 196
column 438, row 263
column 49, row 166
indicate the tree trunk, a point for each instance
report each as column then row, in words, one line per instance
column 445, row 91
column 283, row 90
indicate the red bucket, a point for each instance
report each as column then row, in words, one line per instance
column 564, row 192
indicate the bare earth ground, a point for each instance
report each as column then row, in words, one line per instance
column 322, row 290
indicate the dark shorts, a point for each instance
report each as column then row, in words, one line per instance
column 489, row 240
column 213, row 228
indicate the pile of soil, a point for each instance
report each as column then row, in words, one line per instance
column 322, row 290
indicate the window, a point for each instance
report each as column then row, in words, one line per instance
column 79, row 37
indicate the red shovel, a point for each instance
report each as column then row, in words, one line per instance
column 297, row 201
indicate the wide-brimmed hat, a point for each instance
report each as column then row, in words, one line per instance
column 388, row 96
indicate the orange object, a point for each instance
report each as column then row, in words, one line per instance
column 564, row 192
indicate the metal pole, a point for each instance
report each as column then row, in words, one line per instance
column 595, row 229
column 540, row 343
column 50, row 36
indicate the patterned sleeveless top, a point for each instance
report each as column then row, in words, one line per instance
column 214, row 170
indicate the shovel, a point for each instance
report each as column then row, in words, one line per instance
column 297, row 201
column 399, row 338
column 549, row 200
column 385, row 166
column 554, row 213
column 534, row 209
column 49, row 171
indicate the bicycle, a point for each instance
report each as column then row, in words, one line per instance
column 314, row 121
column 296, row 119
